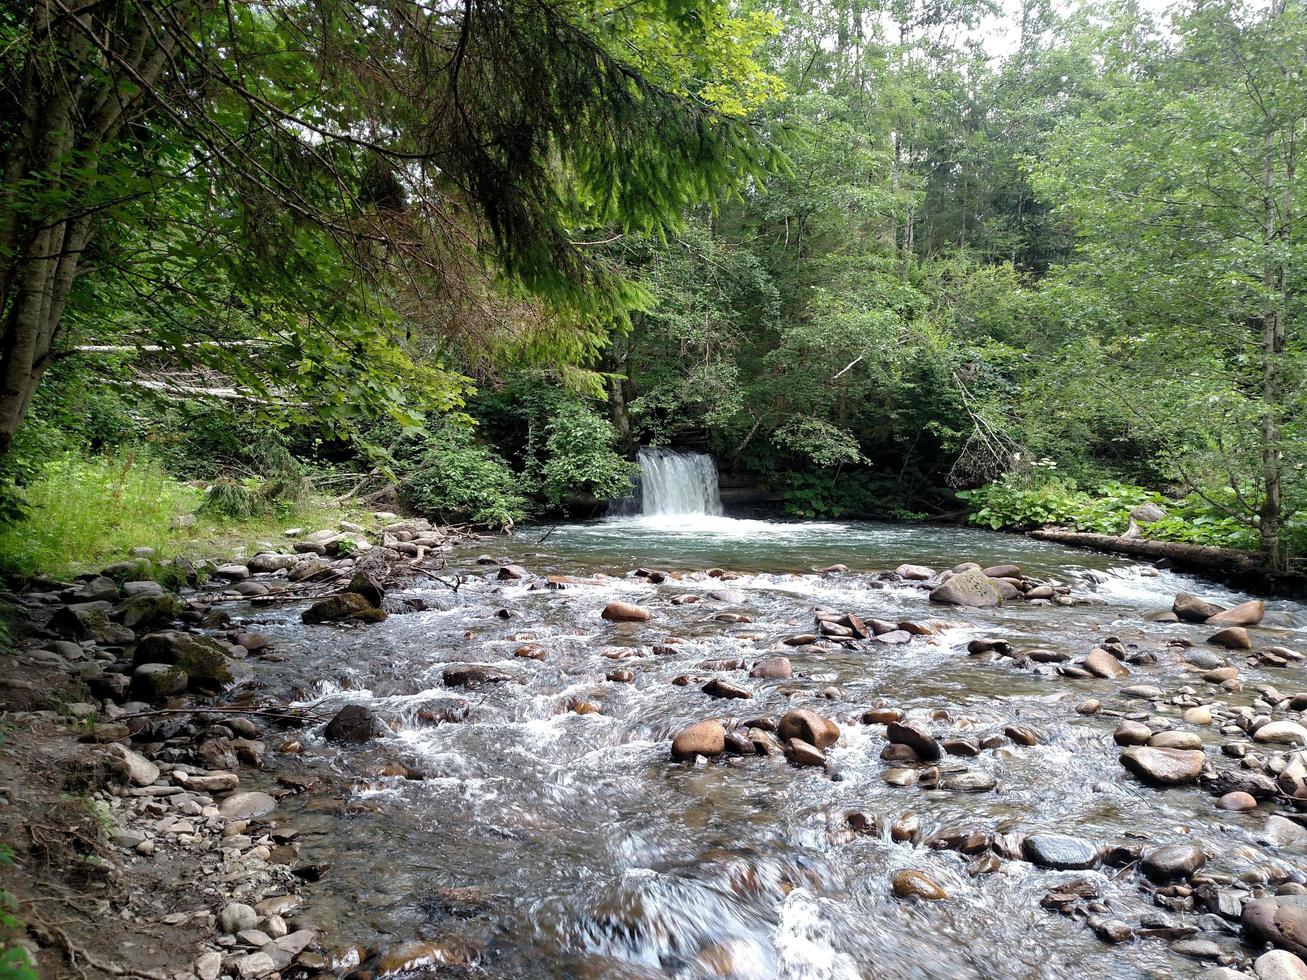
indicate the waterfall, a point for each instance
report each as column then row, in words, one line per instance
column 674, row 483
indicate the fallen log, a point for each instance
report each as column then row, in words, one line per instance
column 1218, row 560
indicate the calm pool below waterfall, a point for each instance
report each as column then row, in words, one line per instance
column 561, row 844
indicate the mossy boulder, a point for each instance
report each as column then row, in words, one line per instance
column 346, row 607
column 204, row 660
column 90, row 621
column 147, row 610
column 154, row 682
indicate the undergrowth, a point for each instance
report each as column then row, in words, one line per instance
column 82, row 512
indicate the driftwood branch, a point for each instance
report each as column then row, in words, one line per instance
column 1197, row 555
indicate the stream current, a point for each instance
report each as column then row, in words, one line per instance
column 562, row 844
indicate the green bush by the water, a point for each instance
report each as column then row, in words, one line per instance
column 81, row 510
column 1015, row 503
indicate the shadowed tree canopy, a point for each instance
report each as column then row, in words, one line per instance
column 307, row 193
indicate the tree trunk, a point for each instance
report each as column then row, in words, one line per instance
column 84, row 75
column 1272, row 352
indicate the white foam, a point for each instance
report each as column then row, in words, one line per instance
column 805, row 942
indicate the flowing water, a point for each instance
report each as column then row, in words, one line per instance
column 673, row 482
column 570, row 845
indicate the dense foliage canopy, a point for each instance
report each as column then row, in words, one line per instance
column 473, row 254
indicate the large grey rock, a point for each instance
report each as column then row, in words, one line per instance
column 353, row 723
column 203, row 659
column 147, row 609
column 152, row 682
column 970, row 588
column 1167, row 767
column 1059, row 852
column 132, row 766
column 247, row 806
column 90, row 621
column 236, row 917
column 346, row 607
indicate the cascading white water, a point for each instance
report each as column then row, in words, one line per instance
column 678, row 483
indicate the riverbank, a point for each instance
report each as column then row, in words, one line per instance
column 143, row 770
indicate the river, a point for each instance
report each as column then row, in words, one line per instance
column 566, row 844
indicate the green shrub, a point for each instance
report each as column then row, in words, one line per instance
column 580, row 458
column 1013, row 504
column 454, row 478
column 1209, row 519
column 84, row 510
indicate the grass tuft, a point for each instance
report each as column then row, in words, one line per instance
column 84, row 512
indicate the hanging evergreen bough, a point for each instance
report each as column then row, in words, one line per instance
column 301, row 173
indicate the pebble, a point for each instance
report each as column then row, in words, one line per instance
column 1237, row 801
column 917, row 884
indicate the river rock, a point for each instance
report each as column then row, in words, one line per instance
column 1245, row 614
column 881, row 716
column 808, row 726
column 1132, row 733
column 233, row 572
column 702, row 738
column 346, row 607
column 271, row 561
column 511, row 573
column 1059, row 852
column 718, row 688
column 247, row 806
column 1173, row 862
column 773, row 668
column 236, row 917
column 1198, row 715
column 1002, row 571
column 1100, row 663
column 914, row 573
column 1292, row 780
column 802, row 753
column 1167, row 767
column 135, row 768
column 625, row 612
column 1281, row 733
column 1237, row 801
column 970, row 588
column 969, row 782
column 916, row 884
column 1232, row 638
column 353, row 723
column 1023, row 735
column 1279, row 964
column 474, row 675
column 1280, row 920
column 1176, row 740
column 1280, row 831
column 915, row 737
column 368, row 586
column 1191, row 609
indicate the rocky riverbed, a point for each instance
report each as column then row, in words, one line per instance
column 374, row 753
